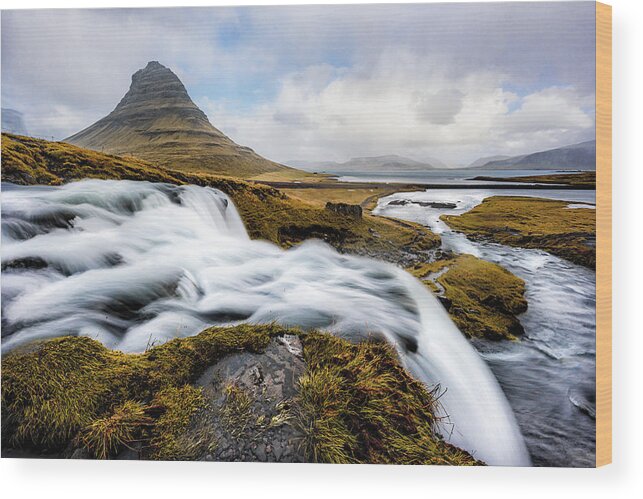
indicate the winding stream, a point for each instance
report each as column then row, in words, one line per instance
column 548, row 376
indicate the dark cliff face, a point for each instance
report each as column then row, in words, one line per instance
column 157, row 121
column 156, row 85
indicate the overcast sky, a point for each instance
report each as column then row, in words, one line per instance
column 453, row 81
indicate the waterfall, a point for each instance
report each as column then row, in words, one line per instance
column 135, row 263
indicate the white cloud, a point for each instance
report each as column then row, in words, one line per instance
column 64, row 69
column 404, row 104
column 323, row 82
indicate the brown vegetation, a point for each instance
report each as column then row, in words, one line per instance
column 537, row 223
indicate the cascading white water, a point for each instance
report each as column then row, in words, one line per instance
column 135, row 263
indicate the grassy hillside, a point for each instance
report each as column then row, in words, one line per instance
column 267, row 213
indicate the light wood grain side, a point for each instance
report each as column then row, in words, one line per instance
column 603, row 234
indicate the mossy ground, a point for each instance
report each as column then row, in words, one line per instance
column 532, row 223
column 481, row 297
column 267, row 212
column 356, row 403
column 55, row 390
column 365, row 196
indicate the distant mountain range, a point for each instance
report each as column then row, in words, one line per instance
column 12, row 122
column 373, row 164
column 483, row 161
column 573, row 157
column 157, row 121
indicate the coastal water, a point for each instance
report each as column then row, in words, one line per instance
column 549, row 375
column 134, row 264
column 463, row 176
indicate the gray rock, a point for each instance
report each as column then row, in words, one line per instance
column 345, row 209
column 260, row 428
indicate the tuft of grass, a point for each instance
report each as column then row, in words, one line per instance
column 179, row 407
column 482, row 298
column 236, row 414
column 105, row 437
column 321, row 409
column 537, row 223
column 357, row 404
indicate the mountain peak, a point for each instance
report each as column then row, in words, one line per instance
column 156, row 85
column 154, row 65
column 157, row 120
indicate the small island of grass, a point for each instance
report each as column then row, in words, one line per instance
column 525, row 222
column 482, row 298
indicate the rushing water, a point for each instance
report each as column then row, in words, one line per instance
column 548, row 376
column 135, row 263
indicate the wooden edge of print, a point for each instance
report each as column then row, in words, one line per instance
column 603, row 234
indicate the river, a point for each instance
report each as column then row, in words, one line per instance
column 549, row 375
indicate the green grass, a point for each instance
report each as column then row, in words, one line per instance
column 357, row 404
column 482, row 298
column 535, row 223
column 105, row 437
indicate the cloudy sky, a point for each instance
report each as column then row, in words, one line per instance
column 453, row 81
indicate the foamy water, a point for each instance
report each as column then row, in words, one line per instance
column 133, row 264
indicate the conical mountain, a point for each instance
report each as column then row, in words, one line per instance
column 157, row 121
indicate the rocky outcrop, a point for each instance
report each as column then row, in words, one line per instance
column 157, row 121
column 345, row 209
column 249, row 397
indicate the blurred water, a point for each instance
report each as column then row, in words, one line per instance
column 134, row 263
column 548, row 376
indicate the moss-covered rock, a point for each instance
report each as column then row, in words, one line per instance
column 354, row 403
column 482, row 298
column 53, row 390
